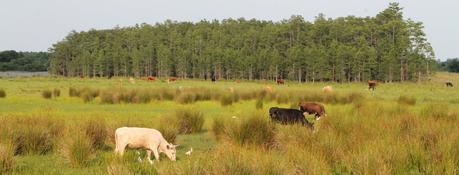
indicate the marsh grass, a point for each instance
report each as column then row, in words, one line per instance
column 96, row 130
column 189, row 120
column 47, row 94
column 406, row 100
column 7, row 159
column 56, row 92
column 2, row 93
column 77, row 149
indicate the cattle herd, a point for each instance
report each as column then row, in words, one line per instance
column 153, row 141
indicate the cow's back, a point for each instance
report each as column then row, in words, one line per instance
column 137, row 137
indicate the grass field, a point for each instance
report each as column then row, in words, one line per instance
column 401, row 128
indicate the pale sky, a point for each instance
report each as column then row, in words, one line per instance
column 34, row 25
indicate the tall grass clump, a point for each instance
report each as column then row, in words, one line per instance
column 47, row 94
column 7, row 160
column 227, row 99
column 406, row 100
column 109, row 97
column 56, row 92
column 33, row 135
column 186, row 98
column 259, row 103
column 2, row 93
column 437, row 111
column 76, row 149
column 189, row 120
column 96, row 130
column 218, row 127
column 169, row 128
column 73, row 92
column 252, row 130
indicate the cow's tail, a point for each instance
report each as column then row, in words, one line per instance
column 323, row 111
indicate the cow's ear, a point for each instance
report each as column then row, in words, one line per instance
column 168, row 147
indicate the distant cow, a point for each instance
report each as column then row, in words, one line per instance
column 280, row 81
column 151, row 78
column 288, row 116
column 449, row 84
column 313, row 108
column 150, row 139
column 213, row 79
column 372, row 84
column 327, row 89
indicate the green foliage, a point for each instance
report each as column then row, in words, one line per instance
column 23, row 61
column 386, row 47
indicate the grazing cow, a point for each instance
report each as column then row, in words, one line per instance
column 280, row 81
column 288, row 116
column 151, row 78
column 372, row 84
column 327, row 89
column 449, row 84
column 313, row 108
column 238, row 81
column 150, row 139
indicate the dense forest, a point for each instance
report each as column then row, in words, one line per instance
column 11, row 60
column 386, row 47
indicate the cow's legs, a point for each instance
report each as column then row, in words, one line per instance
column 120, row 149
column 156, row 153
column 149, row 156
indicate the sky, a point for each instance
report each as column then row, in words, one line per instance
column 34, row 25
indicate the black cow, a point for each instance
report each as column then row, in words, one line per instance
column 288, row 116
column 449, row 84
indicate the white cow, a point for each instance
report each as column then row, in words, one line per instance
column 150, row 139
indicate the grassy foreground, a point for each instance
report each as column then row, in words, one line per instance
column 408, row 128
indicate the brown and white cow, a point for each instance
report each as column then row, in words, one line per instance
column 150, row 139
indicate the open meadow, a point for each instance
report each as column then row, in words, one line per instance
column 66, row 126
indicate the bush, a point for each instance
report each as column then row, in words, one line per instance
column 76, row 149
column 218, row 127
column 34, row 135
column 2, row 93
column 46, row 94
column 406, row 100
column 96, row 130
column 189, row 121
column 56, row 92
column 255, row 130
column 87, row 96
column 107, row 97
column 7, row 161
column 186, row 98
column 169, row 128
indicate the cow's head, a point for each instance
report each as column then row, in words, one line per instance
column 272, row 112
column 171, row 151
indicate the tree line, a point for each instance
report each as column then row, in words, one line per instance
column 450, row 65
column 11, row 60
column 386, row 47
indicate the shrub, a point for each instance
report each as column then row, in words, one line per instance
column 87, row 96
column 46, row 94
column 406, row 100
column 2, row 93
column 218, row 127
column 189, row 121
column 254, row 130
column 7, row 161
column 34, row 135
column 56, row 92
column 96, row 130
column 107, row 97
column 76, row 149
column 142, row 97
column 169, row 128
